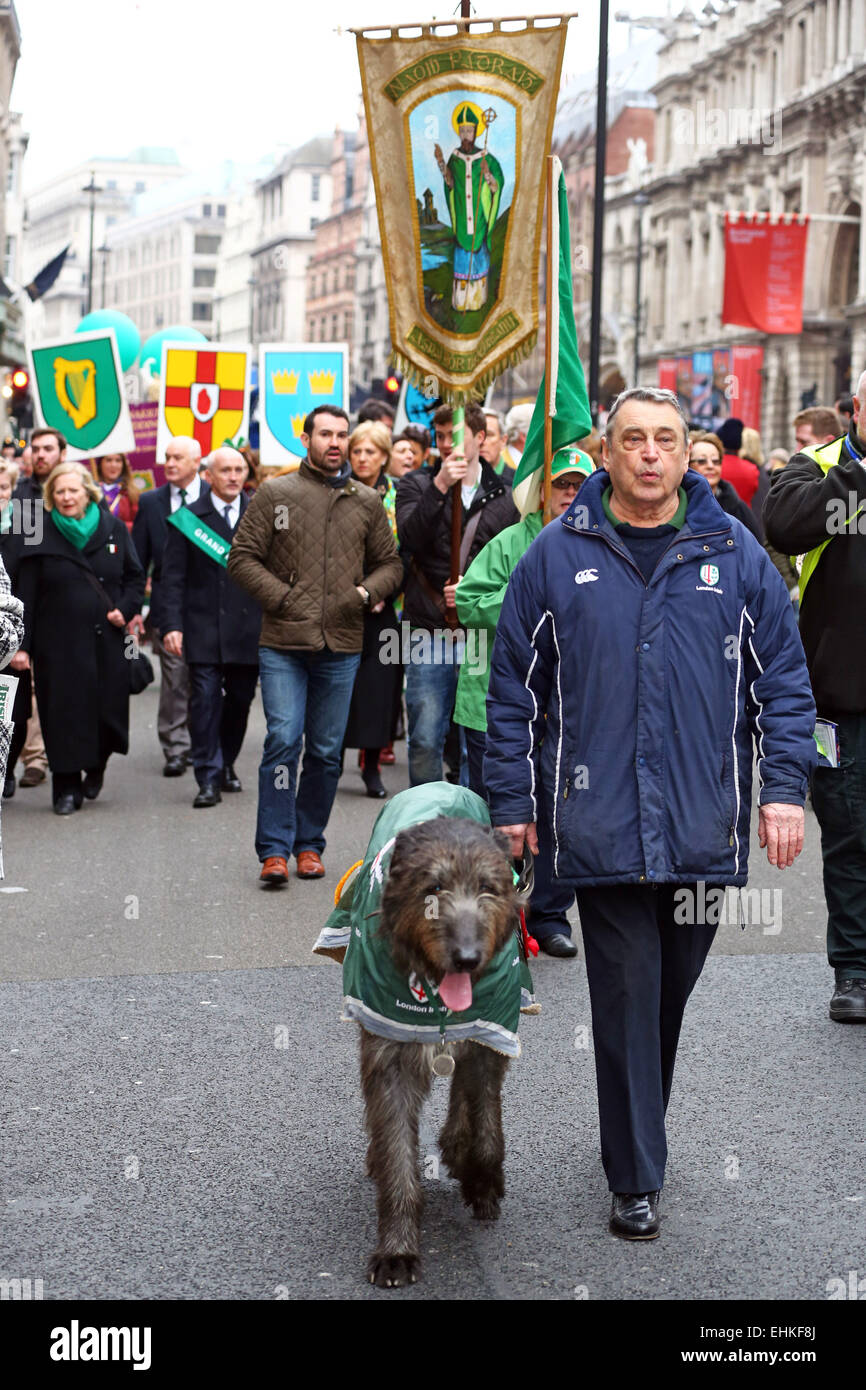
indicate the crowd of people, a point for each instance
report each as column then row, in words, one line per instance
column 580, row 677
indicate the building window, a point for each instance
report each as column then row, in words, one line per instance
column 334, row 327
column 206, row 245
column 203, row 277
column 201, row 311
column 315, row 186
column 111, row 185
column 140, row 185
column 206, row 209
column 314, row 222
column 221, row 209
column 9, row 261
column 11, row 173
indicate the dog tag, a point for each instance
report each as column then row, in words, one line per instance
column 443, row 1065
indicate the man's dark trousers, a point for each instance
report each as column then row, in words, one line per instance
column 219, row 706
column 550, row 899
column 641, row 966
column 839, row 799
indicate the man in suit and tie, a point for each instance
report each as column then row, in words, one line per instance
column 213, row 624
column 183, row 486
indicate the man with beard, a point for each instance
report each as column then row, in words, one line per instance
column 315, row 550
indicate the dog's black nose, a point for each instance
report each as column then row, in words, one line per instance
column 467, row 960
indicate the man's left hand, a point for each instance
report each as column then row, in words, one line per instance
column 450, row 592
column 780, row 832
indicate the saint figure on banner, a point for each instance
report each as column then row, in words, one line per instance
column 473, row 190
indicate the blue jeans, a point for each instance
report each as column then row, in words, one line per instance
column 430, row 694
column 306, row 696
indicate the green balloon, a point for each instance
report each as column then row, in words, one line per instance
column 152, row 350
column 125, row 331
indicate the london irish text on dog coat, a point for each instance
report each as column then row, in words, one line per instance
column 398, row 1007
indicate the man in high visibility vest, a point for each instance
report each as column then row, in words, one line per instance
column 816, row 509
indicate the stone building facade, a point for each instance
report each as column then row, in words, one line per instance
column 761, row 109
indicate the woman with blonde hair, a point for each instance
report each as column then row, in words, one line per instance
column 80, row 586
column 378, row 688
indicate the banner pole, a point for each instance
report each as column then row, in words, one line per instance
column 458, row 435
column 551, row 278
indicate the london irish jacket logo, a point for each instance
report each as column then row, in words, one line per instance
column 709, row 574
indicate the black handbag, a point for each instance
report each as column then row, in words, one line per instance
column 138, row 663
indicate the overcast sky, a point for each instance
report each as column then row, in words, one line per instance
column 225, row 79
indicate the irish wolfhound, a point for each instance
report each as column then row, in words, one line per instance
column 448, row 908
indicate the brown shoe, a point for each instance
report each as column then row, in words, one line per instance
column 310, row 865
column 274, row 870
column 32, row 776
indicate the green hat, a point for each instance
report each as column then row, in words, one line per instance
column 570, row 459
column 466, row 116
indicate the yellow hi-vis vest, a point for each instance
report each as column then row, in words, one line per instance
column 826, row 456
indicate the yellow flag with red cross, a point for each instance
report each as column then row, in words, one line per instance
column 204, row 394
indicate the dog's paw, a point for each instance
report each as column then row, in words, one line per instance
column 485, row 1208
column 393, row 1271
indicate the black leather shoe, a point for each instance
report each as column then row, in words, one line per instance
column 92, row 785
column 635, row 1215
column 9, row 788
column 373, row 783
column 65, row 805
column 556, row 945
column 174, row 767
column 230, row 780
column 848, row 1004
column 207, row 796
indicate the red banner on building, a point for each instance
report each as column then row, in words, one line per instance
column 747, row 365
column 668, row 373
column 764, row 264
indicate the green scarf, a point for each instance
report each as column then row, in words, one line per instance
column 375, row 995
column 77, row 530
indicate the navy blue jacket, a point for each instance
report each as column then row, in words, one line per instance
column 220, row 622
column 149, row 534
column 652, row 696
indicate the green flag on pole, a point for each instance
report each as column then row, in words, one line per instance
column 569, row 409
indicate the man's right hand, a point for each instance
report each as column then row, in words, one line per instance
column 173, row 643
column 452, row 470
column 517, row 834
column 136, row 626
column 20, row 662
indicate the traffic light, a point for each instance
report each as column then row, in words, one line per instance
column 391, row 387
column 17, row 392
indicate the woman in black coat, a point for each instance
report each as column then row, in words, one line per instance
column 378, row 688
column 76, row 641
column 706, row 458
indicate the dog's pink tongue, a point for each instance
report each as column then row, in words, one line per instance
column 455, row 991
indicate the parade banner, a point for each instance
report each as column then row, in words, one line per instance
column 459, row 126
column 204, row 392
column 293, row 379
column 764, row 265
column 77, row 387
column 747, row 379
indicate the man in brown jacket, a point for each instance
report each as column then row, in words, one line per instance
column 315, row 550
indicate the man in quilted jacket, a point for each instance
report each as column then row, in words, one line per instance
column 315, row 550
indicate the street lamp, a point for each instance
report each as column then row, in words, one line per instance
column 92, row 189
column 105, row 252
column 640, row 201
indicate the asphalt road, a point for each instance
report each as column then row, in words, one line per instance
column 181, row 1117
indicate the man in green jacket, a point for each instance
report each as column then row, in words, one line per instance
column 479, row 596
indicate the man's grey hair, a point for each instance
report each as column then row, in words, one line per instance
column 860, row 393
column 500, row 420
column 517, row 421
column 658, row 395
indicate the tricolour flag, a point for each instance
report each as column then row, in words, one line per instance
column 569, row 402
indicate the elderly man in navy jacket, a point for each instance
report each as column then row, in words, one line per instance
column 213, row 624
column 646, row 643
